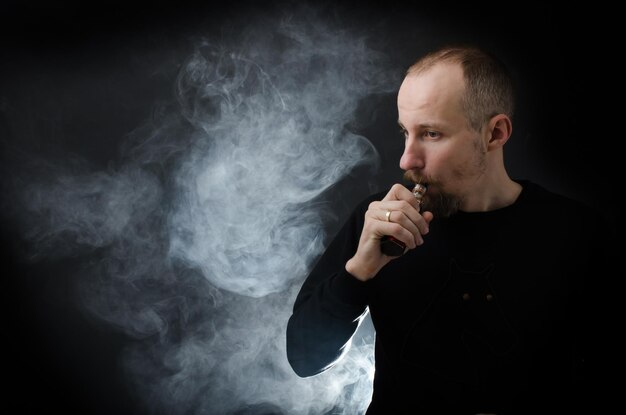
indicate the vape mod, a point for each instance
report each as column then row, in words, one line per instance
column 388, row 244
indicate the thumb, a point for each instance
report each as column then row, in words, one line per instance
column 428, row 216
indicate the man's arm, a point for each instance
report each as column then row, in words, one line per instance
column 329, row 306
column 333, row 299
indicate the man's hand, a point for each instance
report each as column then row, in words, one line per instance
column 404, row 222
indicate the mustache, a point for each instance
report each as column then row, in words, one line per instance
column 414, row 176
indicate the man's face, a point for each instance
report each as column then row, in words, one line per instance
column 440, row 148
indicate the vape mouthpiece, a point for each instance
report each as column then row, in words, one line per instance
column 419, row 190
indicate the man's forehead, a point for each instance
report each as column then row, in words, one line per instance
column 440, row 83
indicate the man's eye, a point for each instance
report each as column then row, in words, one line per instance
column 432, row 134
column 404, row 132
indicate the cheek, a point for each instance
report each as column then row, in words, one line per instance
column 472, row 164
column 451, row 165
column 443, row 162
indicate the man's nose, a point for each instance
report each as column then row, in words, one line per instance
column 413, row 156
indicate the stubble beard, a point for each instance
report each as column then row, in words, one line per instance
column 441, row 203
column 444, row 204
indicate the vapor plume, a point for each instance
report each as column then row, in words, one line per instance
column 197, row 239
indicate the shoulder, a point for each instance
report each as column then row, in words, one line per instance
column 550, row 202
column 536, row 194
column 558, row 208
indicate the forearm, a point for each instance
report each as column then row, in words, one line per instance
column 329, row 306
column 323, row 322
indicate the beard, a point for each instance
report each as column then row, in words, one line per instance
column 444, row 204
column 441, row 203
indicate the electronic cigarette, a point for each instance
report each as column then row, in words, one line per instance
column 391, row 246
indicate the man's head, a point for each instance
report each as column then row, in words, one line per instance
column 455, row 107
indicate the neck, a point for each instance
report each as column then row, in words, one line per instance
column 492, row 192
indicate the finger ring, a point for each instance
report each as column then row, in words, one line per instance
column 388, row 216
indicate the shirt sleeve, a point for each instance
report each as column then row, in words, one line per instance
column 330, row 305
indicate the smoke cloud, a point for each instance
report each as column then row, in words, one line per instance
column 267, row 149
column 196, row 241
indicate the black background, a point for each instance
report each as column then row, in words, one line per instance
column 70, row 71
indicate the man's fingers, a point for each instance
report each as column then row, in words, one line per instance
column 399, row 192
column 403, row 222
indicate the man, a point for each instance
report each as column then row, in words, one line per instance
column 483, row 313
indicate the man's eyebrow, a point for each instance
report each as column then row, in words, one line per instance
column 434, row 125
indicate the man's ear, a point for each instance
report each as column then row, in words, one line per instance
column 499, row 130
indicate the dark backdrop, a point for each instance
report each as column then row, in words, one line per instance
column 70, row 71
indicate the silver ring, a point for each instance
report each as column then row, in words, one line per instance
column 388, row 216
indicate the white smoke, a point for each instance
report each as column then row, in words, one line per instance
column 202, row 236
column 265, row 152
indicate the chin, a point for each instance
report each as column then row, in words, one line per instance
column 441, row 204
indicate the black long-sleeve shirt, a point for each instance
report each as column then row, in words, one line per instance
column 488, row 315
